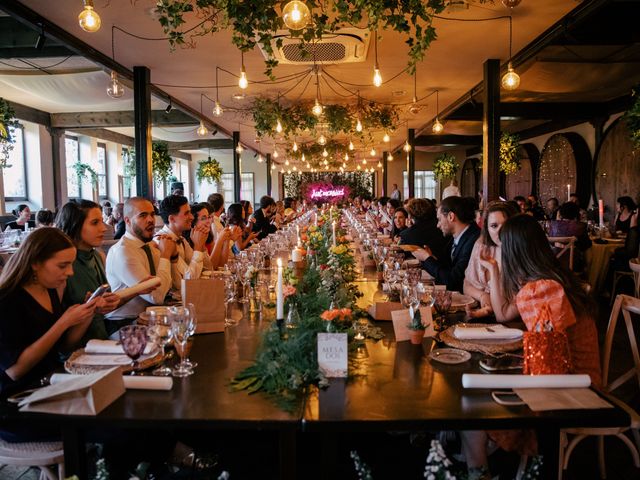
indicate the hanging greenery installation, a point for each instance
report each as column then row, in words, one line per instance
column 8, row 123
column 209, row 170
column 161, row 162
column 84, row 170
column 632, row 118
column 509, row 153
column 445, row 166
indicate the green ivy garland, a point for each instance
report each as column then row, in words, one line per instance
column 256, row 22
column 445, row 166
column 7, row 124
column 161, row 162
column 209, row 170
column 632, row 118
column 509, row 153
column 84, row 170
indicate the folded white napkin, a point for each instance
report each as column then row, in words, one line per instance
column 135, row 289
column 136, row 382
column 495, row 332
column 474, row 380
column 111, row 347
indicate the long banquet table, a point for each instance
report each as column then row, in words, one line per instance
column 401, row 389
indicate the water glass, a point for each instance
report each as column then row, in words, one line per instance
column 180, row 327
column 159, row 332
column 229, row 298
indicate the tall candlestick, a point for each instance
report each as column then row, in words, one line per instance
column 568, row 192
column 333, row 225
column 279, row 293
column 601, row 212
column 298, row 233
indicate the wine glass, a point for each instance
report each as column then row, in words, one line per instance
column 180, row 332
column 193, row 323
column 229, row 298
column 442, row 304
column 133, row 339
column 159, row 332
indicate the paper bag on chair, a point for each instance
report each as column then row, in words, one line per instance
column 84, row 395
column 207, row 295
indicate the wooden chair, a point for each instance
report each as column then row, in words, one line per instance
column 34, row 454
column 566, row 245
column 634, row 265
column 626, row 305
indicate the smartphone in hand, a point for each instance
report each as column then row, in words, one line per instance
column 101, row 290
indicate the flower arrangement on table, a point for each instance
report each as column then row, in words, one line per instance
column 251, row 275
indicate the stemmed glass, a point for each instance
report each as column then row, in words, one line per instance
column 160, row 333
column 229, row 298
column 193, row 323
column 180, row 331
column 133, row 339
column 442, row 304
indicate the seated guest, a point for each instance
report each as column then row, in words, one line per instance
column 424, row 227
column 117, row 221
column 535, row 208
column 202, row 215
column 247, row 209
column 188, row 261
column 552, row 208
column 34, row 325
column 523, row 205
column 217, row 252
column 583, row 213
column 290, row 208
column 455, row 218
column 622, row 255
column 216, row 200
column 82, row 222
column 241, row 232
column 262, row 224
column 44, row 218
column 476, row 279
column 136, row 258
column 626, row 208
column 23, row 217
column 568, row 225
column 107, row 211
column 400, row 216
column 531, row 280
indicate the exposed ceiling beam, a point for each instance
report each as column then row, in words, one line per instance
column 447, row 140
column 19, row 41
column 32, row 52
column 106, row 135
column 214, row 144
column 533, row 110
column 118, row 119
column 29, row 114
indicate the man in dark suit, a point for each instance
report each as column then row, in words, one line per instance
column 424, row 230
column 455, row 218
column 262, row 217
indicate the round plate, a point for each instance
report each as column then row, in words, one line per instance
column 450, row 356
column 459, row 301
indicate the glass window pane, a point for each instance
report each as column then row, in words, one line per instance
column 247, row 192
column 15, row 184
column 72, row 153
column 101, row 169
column 227, row 189
column 424, row 184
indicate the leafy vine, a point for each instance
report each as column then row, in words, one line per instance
column 161, row 162
column 209, row 170
column 84, row 170
column 509, row 153
column 632, row 118
column 8, row 123
column 445, row 166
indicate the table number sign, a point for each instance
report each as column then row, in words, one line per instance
column 333, row 354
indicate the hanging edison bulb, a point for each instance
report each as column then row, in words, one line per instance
column 295, row 146
column 273, row 167
column 379, row 164
column 275, row 154
column 358, row 125
column 88, row 19
column 377, row 76
column 296, row 15
column 286, row 162
column 341, row 169
column 202, row 130
column 346, row 157
column 278, row 126
column 407, row 146
column 344, row 164
column 390, row 157
column 260, row 159
column 326, row 162
column 115, row 88
column 373, row 152
column 326, row 167
column 217, row 109
column 358, row 167
column 351, row 146
column 325, row 153
column 239, row 149
column 322, row 140
column 243, row 83
column 295, row 168
column 510, row 80
column 364, row 161
column 437, row 128
column 303, row 158
column 386, row 138
column 317, row 108
column 308, row 166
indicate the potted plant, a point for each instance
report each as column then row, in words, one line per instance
column 209, row 170
column 416, row 328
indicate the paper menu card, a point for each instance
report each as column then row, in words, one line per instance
column 542, row 399
column 130, row 382
column 333, row 354
column 83, row 395
column 401, row 322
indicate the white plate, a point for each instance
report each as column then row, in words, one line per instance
column 459, row 301
column 450, row 356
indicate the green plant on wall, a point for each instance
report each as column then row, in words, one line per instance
column 509, row 153
column 632, row 118
column 161, row 162
column 85, row 171
column 445, row 166
column 8, row 123
column 209, row 170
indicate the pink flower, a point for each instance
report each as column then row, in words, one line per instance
column 288, row 290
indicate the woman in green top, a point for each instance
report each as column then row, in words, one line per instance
column 82, row 221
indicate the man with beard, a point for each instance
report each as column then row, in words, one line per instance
column 136, row 258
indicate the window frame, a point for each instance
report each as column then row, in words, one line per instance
column 106, row 171
column 78, row 179
column 24, row 164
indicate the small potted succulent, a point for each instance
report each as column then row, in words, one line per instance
column 416, row 328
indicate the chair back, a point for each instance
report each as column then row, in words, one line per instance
column 566, row 246
column 626, row 305
column 634, row 265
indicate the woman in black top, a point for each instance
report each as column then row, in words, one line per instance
column 626, row 209
column 34, row 325
column 23, row 214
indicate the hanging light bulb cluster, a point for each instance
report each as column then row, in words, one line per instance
column 89, row 19
column 510, row 80
column 437, row 127
column 115, row 88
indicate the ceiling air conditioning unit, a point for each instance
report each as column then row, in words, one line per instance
column 347, row 45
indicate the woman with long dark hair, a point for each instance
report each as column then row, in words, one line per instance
column 34, row 325
column 82, row 221
column 23, row 217
column 241, row 233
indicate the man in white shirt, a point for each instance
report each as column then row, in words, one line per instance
column 186, row 262
column 216, row 200
column 395, row 193
column 452, row 190
column 135, row 258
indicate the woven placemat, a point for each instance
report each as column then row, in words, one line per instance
column 71, row 367
column 489, row 347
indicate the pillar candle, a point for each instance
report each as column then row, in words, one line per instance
column 333, row 226
column 601, row 212
column 568, row 192
column 298, row 233
column 279, row 293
